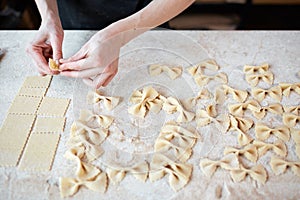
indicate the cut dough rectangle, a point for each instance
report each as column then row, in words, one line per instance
column 25, row 105
column 49, row 124
column 39, row 152
column 37, row 81
column 13, row 136
column 32, row 92
column 53, row 106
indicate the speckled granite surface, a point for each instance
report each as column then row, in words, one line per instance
column 231, row 49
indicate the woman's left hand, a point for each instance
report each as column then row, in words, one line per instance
column 96, row 62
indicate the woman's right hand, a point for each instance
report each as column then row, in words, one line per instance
column 47, row 44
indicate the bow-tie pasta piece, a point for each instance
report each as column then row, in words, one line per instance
column 182, row 136
column 94, row 97
column 274, row 92
column 90, row 177
column 292, row 109
column 295, row 133
column 263, row 132
column 172, row 105
column 94, row 135
column 191, row 102
column 290, row 120
column 205, row 117
column 146, row 100
column 80, row 147
column 249, row 69
column 257, row 173
column 278, row 147
column 240, row 124
column 203, row 80
column 253, row 79
column 239, row 108
column 182, row 153
column 275, row 108
column 238, row 95
column 249, row 151
column 279, row 166
column 100, row 120
column 172, row 72
column 208, row 167
column 179, row 173
column 117, row 174
column 207, row 64
column 287, row 88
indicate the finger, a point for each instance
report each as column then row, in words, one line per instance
column 39, row 60
column 82, row 74
column 88, row 82
column 108, row 80
column 76, row 65
column 100, row 80
column 57, row 49
column 81, row 54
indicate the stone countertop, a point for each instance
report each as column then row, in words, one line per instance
column 231, row 50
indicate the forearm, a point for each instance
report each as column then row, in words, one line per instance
column 156, row 13
column 48, row 10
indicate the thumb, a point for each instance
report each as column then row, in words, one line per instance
column 57, row 49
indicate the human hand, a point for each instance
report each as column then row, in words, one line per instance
column 47, row 44
column 96, row 62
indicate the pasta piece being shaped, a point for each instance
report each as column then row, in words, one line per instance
column 278, row 147
column 275, row 108
column 238, row 95
column 207, row 64
column 248, row 69
column 279, row 166
column 117, row 174
column 179, row 173
column 171, row 105
column 290, row 120
column 249, row 151
column 263, row 132
column 253, row 79
column 94, row 97
column 208, row 167
column 287, row 88
column 172, row 72
column 101, row 120
column 257, row 173
column 260, row 94
column 146, row 100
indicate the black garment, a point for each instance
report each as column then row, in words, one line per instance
column 96, row 14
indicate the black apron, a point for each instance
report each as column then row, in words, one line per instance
column 96, row 14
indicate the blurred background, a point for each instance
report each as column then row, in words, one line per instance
column 202, row 15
